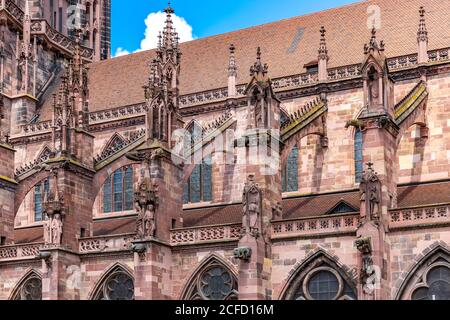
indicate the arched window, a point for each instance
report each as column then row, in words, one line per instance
column 320, row 279
column 30, row 289
column 214, row 282
column 289, row 174
column 359, row 161
column 118, row 191
column 118, row 285
column 199, row 186
column 430, row 278
column 40, row 190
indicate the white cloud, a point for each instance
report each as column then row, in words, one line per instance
column 155, row 23
column 121, row 52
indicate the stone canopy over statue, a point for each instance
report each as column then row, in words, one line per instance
column 252, row 205
column 146, row 203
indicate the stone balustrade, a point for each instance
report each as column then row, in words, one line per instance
column 416, row 217
column 12, row 9
column 202, row 235
column 335, row 224
column 101, row 244
column 441, row 55
column 64, row 43
column 116, row 114
column 22, row 251
column 36, row 128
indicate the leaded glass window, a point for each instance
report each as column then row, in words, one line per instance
column 119, row 285
column 214, row 282
column 436, row 285
column 359, row 161
column 31, row 289
column 40, row 190
column 320, row 279
column 118, row 191
column 199, row 185
column 289, row 174
column 324, row 285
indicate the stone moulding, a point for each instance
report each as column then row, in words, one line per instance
column 13, row 11
column 20, row 252
column 419, row 217
column 101, row 244
column 317, row 226
column 205, row 235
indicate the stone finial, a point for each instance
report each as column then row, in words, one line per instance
column 422, row 34
column 259, row 69
column 323, row 57
column 323, row 51
column 232, row 72
column 373, row 43
column 422, row 38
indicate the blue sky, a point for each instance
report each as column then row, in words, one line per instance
column 206, row 18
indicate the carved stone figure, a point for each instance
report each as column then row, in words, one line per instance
column 244, row 254
column 252, row 208
column 370, row 191
column 146, row 202
column 53, row 209
column 368, row 274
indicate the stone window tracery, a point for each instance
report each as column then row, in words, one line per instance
column 119, row 285
column 321, row 279
column 435, row 284
column 31, row 289
column 215, row 282
column 118, row 191
column 289, row 175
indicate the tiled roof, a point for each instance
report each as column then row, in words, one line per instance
column 118, row 82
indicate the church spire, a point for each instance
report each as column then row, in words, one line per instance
column 422, row 38
column 323, row 56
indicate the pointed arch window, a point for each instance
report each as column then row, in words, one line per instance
column 118, row 191
column 30, row 289
column 430, row 279
column 321, row 279
column 359, row 161
column 119, row 285
column 40, row 191
column 199, row 185
column 215, row 282
column 289, row 174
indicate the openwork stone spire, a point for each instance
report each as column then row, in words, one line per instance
column 162, row 90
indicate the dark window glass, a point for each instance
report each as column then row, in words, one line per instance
column 216, row 284
column 289, row 177
column 199, row 185
column 107, row 196
column 30, row 290
column 118, row 286
column 118, row 191
column 323, row 286
column 438, row 281
column 359, row 165
column 129, row 189
column 40, row 190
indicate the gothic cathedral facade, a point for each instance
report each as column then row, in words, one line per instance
column 173, row 173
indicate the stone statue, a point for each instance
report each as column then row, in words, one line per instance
column 370, row 192
column 53, row 208
column 145, row 203
column 252, row 201
column 56, row 229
